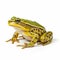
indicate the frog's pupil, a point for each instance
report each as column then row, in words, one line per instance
column 17, row 21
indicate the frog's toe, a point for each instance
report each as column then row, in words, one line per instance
column 13, row 40
column 8, row 40
column 23, row 46
column 17, row 40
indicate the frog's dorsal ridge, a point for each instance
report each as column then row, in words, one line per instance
column 32, row 23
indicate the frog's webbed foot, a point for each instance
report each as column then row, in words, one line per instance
column 14, row 38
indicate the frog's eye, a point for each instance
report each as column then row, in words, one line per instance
column 17, row 21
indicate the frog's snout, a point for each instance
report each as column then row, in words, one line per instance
column 10, row 22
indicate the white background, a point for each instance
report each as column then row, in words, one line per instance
column 46, row 12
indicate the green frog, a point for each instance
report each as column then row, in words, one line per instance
column 30, row 31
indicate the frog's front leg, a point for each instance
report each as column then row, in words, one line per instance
column 34, row 39
column 14, row 38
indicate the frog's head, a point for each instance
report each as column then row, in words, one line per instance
column 14, row 21
column 17, row 22
column 46, row 37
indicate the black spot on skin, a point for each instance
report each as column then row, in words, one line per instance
column 47, row 36
column 41, row 29
column 31, row 30
column 36, row 37
column 34, row 29
column 38, row 30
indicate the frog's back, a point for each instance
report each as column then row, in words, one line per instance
column 32, row 23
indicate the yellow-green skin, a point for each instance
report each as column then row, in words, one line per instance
column 31, row 31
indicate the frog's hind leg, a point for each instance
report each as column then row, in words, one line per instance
column 46, row 38
column 14, row 38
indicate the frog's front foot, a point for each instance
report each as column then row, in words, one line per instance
column 14, row 38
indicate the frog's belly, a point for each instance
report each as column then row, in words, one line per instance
column 23, row 34
column 27, row 37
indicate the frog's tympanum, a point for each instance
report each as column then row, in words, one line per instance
column 30, row 31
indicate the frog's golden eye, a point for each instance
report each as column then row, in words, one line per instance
column 17, row 21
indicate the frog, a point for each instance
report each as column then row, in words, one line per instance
column 30, row 31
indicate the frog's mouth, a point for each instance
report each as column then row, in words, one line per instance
column 13, row 24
